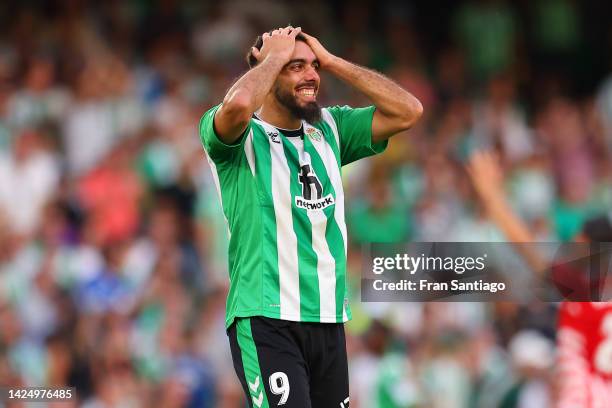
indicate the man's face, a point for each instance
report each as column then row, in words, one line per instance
column 297, row 85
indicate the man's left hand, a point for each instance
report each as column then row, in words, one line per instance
column 325, row 57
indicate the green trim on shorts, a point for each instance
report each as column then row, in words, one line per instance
column 250, row 362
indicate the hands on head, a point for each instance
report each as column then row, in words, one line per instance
column 324, row 56
column 280, row 43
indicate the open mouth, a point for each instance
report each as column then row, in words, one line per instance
column 308, row 92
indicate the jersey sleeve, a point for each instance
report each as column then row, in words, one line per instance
column 355, row 133
column 215, row 147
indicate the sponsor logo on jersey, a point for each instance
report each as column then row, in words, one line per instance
column 314, row 204
column 312, row 191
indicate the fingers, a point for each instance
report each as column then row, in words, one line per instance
column 289, row 30
column 256, row 53
column 294, row 32
column 309, row 38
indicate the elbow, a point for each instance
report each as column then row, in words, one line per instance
column 237, row 107
column 417, row 109
column 412, row 113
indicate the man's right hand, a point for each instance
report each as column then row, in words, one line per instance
column 279, row 44
column 248, row 93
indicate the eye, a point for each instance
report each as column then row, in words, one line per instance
column 296, row 66
column 316, row 66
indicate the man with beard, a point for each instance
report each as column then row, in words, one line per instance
column 276, row 158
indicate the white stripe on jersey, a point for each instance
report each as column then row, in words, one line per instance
column 286, row 240
column 329, row 119
column 336, row 178
column 218, row 188
column 248, row 150
column 326, row 264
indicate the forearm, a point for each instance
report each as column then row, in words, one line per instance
column 244, row 98
column 390, row 99
column 517, row 232
column 503, row 216
column 487, row 177
column 252, row 88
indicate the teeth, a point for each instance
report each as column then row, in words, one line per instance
column 306, row 92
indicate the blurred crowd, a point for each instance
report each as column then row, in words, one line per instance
column 113, row 266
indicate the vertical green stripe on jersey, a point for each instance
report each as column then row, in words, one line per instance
column 271, row 288
column 250, row 362
column 333, row 234
column 307, row 257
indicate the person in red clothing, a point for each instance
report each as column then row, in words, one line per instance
column 110, row 194
column 585, row 354
column 584, row 328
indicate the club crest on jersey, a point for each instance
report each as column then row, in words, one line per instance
column 312, row 191
column 313, row 133
column 274, row 137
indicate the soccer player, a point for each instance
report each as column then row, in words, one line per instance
column 584, row 337
column 276, row 157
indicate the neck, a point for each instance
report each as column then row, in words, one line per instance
column 277, row 115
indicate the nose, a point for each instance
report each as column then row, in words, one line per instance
column 311, row 74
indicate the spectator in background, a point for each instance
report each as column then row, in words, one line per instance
column 498, row 121
column 532, row 355
column 110, row 195
column 379, row 217
column 562, row 127
column 40, row 100
column 29, row 175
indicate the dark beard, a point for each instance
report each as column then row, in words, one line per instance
column 311, row 113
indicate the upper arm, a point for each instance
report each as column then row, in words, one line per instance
column 355, row 128
column 215, row 145
column 383, row 127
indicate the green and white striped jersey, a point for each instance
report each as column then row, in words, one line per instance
column 283, row 201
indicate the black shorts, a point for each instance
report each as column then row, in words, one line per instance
column 290, row 364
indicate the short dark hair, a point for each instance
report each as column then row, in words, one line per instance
column 250, row 58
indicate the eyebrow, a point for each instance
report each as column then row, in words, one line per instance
column 302, row 60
